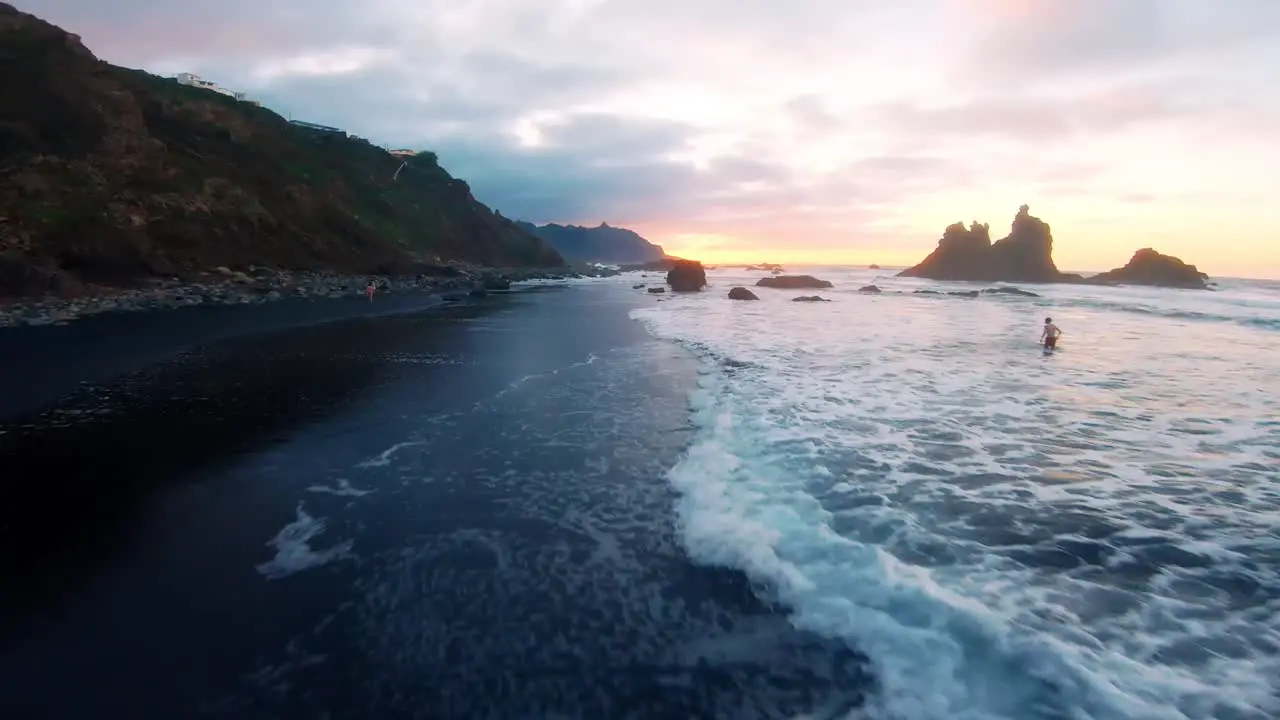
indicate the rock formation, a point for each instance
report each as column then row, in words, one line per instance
column 809, row 298
column 110, row 176
column 1025, row 255
column 793, row 282
column 872, row 289
column 687, row 276
column 741, row 293
column 1148, row 267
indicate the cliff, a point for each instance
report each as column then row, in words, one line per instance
column 1148, row 267
column 1025, row 255
column 110, row 176
column 601, row 244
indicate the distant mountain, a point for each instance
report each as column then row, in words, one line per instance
column 602, row 244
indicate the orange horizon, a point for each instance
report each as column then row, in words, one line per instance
column 866, row 260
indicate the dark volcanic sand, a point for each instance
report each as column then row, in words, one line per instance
column 469, row 515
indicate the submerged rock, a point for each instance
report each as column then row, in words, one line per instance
column 809, row 298
column 1148, row 267
column 793, row 282
column 657, row 291
column 637, row 287
column 869, row 289
column 741, row 293
column 687, row 276
column 1009, row 291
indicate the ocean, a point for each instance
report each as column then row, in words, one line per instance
column 1005, row 534
column 581, row 500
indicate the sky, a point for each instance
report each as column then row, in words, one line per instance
column 805, row 131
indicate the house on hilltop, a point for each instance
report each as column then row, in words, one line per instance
column 193, row 80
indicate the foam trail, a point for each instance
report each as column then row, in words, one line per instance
column 1004, row 536
column 293, row 549
column 383, row 458
column 343, row 489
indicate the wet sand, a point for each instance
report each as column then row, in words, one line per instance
column 454, row 512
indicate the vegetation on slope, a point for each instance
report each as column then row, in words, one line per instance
column 109, row 176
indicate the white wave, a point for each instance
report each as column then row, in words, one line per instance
column 1004, row 535
column 343, row 488
column 293, row 548
column 522, row 381
column 383, row 458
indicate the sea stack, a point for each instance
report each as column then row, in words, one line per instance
column 1025, row 255
column 1148, row 267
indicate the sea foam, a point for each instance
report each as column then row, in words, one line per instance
column 1003, row 534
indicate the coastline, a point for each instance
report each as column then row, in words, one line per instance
column 223, row 286
column 52, row 347
column 368, row 518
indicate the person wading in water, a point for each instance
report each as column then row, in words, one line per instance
column 1050, row 334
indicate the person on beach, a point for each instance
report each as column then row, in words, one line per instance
column 371, row 289
column 1050, row 335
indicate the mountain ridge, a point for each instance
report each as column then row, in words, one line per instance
column 603, row 243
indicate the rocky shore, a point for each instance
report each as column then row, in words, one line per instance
column 222, row 286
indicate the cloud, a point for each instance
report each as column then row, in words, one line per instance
column 1036, row 118
column 1031, row 41
column 826, row 124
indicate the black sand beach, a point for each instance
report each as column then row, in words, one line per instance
column 445, row 512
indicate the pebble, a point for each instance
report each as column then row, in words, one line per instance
column 259, row 285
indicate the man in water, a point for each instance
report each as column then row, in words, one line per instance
column 1050, row 334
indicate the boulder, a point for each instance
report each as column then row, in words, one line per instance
column 1148, row 267
column 637, row 287
column 687, row 276
column 793, row 282
column 1025, row 255
column 741, row 293
column 657, row 290
column 1009, row 291
column 809, row 298
column 869, row 289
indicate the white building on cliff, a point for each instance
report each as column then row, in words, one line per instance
column 199, row 82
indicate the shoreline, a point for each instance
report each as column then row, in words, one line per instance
column 52, row 350
column 257, row 286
